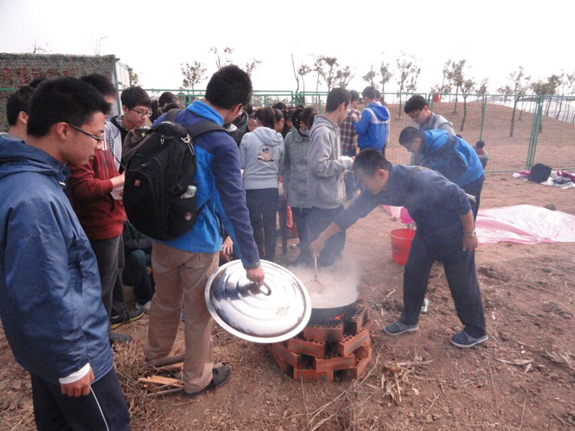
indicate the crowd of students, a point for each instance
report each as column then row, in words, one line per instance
column 67, row 247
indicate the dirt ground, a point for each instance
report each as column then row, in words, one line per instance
column 521, row 379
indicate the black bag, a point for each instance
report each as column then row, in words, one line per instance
column 160, row 191
column 539, row 173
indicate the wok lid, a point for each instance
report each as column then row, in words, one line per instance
column 274, row 312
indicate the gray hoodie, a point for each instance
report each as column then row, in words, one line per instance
column 326, row 165
column 261, row 158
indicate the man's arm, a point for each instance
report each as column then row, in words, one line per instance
column 469, row 236
column 85, row 186
column 362, row 125
column 319, row 158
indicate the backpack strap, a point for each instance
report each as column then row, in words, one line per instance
column 203, row 127
column 172, row 114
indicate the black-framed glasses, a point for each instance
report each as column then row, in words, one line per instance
column 97, row 138
column 414, row 116
column 141, row 113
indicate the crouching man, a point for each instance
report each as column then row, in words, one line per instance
column 445, row 230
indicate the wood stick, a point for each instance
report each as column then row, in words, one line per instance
column 523, row 412
column 493, row 386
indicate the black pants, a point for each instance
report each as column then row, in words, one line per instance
column 301, row 220
column 474, row 189
column 107, row 253
column 262, row 205
column 103, row 409
column 136, row 274
column 461, row 277
column 319, row 220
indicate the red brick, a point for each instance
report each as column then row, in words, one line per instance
column 311, row 348
column 333, row 364
column 284, row 366
column 324, row 333
column 311, row 375
column 358, row 369
column 352, row 342
column 356, row 321
column 285, row 354
column 364, row 351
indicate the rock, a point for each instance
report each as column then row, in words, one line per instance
column 550, row 207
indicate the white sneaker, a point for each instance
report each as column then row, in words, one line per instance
column 145, row 308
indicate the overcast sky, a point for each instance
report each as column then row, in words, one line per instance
column 154, row 38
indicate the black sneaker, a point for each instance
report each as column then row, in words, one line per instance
column 465, row 341
column 125, row 317
column 399, row 328
column 220, row 375
column 119, row 338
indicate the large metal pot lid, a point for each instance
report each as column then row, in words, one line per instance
column 274, row 312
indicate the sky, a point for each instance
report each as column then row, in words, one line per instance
column 495, row 37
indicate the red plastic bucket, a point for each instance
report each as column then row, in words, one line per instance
column 436, row 98
column 400, row 244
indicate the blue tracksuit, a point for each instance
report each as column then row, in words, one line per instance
column 372, row 127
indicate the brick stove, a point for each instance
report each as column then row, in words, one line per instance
column 339, row 348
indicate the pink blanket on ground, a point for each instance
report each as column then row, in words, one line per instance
column 524, row 224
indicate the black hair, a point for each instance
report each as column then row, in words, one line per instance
column 336, row 97
column 166, row 97
column 415, row 103
column 354, row 95
column 279, row 115
column 266, row 116
column 249, row 109
column 229, row 86
column 368, row 92
column 370, row 161
column 480, row 144
column 280, row 105
column 67, row 100
column 303, row 115
column 135, row 96
column 18, row 102
column 102, row 84
column 37, row 81
column 409, row 134
column 377, row 94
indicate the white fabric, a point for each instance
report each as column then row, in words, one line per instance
column 75, row 376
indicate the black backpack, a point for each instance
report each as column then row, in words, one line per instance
column 160, row 191
column 539, row 173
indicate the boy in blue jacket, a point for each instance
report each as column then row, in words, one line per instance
column 445, row 230
column 373, row 127
column 50, row 293
column 449, row 155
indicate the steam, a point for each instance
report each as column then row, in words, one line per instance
column 337, row 284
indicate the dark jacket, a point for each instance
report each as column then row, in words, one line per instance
column 433, row 202
column 50, row 294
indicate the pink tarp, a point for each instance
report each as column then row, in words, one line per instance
column 524, row 224
column 521, row 224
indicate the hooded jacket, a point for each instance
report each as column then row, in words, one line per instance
column 296, row 169
column 326, row 165
column 50, row 294
column 372, row 127
column 261, row 158
column 451, row 156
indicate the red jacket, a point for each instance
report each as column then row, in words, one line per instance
column 101, row 216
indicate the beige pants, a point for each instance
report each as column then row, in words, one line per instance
column 181, row 277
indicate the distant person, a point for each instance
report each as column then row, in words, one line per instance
column 261, row 158
column 327, row 167
column 373, row 127
column 295, row 175
column 162, row 105
column 50, row 303
column 449, row 155
column 445, row 230
column 17, row 112
column 348, row 137
column 481, row 152
column 137, row 109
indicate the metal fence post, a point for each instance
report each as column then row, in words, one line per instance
column 483, row 109
column 534, row 132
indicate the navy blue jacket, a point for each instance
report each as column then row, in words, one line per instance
column 50, row 293
column 451, row 156
column 218, row 177
column 433, row 202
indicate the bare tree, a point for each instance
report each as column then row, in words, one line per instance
column 370, row 76
column 303, row 70
column 96, row 43
column 193, row 74
column 223, row 57
column 467, row 88
column 517, row 90
column 408, row 71
column 250, row 66
column 454, row 74
column 385, row 75
column 343, row 76
column 327, row 69
column 133, row 77
column 38, row 49
column 295, row 74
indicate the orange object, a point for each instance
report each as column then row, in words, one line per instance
column 400, row 244
column 436, row 98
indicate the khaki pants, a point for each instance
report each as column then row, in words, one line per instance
column 181, row 277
